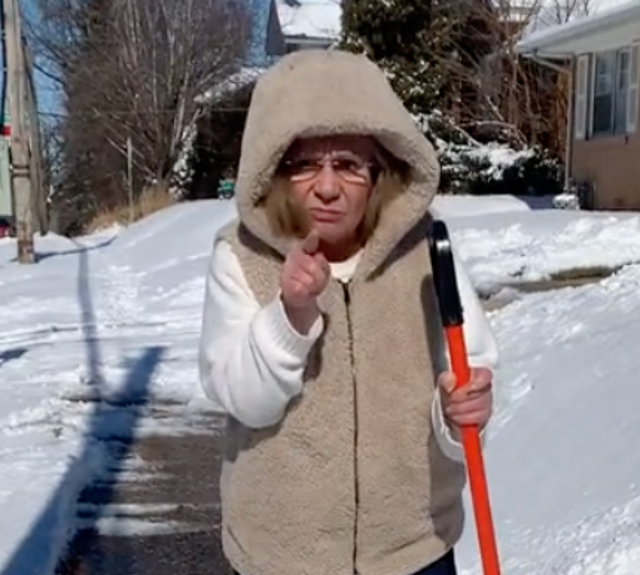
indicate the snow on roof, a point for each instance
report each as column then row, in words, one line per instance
column 234, row 82
column 311, row 18
column 559, row 20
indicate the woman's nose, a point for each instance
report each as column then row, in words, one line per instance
column 327, row 184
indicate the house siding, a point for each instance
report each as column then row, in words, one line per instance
column 611, row 164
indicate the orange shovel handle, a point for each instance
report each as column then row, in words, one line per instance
column 474, row 459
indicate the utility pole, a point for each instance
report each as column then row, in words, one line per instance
column 20, row 162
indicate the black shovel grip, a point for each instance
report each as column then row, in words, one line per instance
column 444, row 275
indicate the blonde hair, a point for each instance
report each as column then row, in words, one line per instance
column 289, row 219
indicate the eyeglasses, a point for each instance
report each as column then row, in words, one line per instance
column 351, row 169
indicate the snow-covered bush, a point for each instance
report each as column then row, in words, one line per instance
column 473, row 167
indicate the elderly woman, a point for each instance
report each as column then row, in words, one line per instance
column 321, row 338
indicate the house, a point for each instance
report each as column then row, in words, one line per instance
column 284, row 26
column 308, row 24
column 599, row 53
column 278, row 27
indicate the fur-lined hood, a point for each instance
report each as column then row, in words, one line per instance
column 330, row 92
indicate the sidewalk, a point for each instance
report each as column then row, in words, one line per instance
column 163, row 515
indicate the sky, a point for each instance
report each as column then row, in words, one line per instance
column 46, row 93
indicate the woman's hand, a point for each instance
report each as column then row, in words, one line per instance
column 470, row 404
column 305, row 276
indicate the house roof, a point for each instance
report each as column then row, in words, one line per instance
column 617, row 23
column 236, row 81
column 310, row 18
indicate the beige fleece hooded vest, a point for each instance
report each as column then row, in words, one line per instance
column 351, row 480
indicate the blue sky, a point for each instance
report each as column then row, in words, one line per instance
column 48, row 101
column 46, row 92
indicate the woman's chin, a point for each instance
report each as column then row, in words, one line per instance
column 330, row 233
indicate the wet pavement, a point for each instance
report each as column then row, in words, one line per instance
column 510, row 292
column 159, row 515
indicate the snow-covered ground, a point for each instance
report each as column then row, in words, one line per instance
column 514, row 246
column 117, row 316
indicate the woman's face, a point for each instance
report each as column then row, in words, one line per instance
column 331, row 180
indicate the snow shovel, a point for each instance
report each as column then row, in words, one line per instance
column 451, row 312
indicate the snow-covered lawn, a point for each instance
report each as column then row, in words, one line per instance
column 511, row 247
column 117, row 316
column 561, row 460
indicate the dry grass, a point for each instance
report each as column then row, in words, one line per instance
column 152, row 199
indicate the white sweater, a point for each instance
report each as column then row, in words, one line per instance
column 252, row 360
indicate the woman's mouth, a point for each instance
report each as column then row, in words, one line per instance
column 324, row 215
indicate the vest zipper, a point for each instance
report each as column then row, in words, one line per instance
column 347, row 301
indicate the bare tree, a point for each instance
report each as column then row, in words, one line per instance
column 165, row 54
column 561, row 11
column 518, row 100
column 131, row 71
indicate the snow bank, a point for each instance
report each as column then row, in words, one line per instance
column 563, row 480
column 466, row 205
column 525, row 246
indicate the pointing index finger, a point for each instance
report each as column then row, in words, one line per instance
column 311, row 243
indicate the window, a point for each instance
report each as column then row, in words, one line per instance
column 603, row 93
column 614, row 92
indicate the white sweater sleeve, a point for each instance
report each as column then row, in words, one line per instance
column 251, row 360
column 482, row 351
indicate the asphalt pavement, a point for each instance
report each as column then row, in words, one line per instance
column 164, row 521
